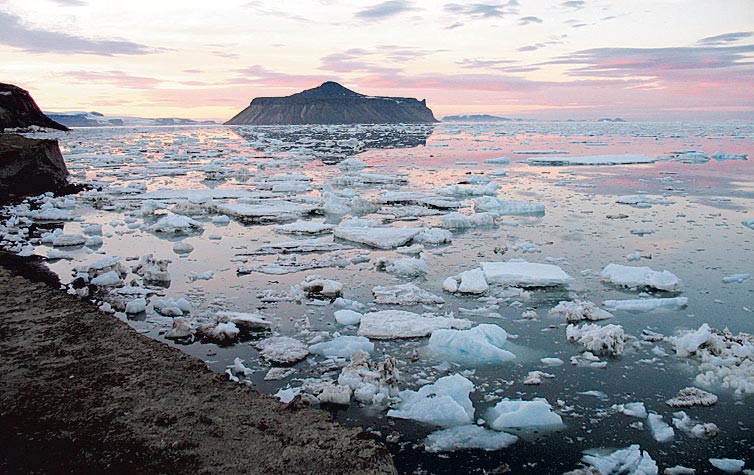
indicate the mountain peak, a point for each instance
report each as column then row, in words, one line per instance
column 329, row 89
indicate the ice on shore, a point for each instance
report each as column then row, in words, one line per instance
column 647, row 305
column 171, row 307
column 405, row 294
column 578, row 310
column 524, row 274
column 605, row 340
column 640, row 277
column 482, row 344
column 627, row 159
column 491, row 204
column 520, row 414
column 389, row 324
column 342, row 346
column 445, row 403
column 728, row 465
column 467, row 437
column 380, row 238
column 282, row 350
column 660, row 430
column 137, row 305
column 629, row 461
column 690, row 397
column 181, row 328
column 107, row 279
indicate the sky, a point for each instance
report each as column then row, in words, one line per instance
column 574, row 59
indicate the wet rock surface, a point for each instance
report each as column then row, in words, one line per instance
column 30, row 166
column 83, row 393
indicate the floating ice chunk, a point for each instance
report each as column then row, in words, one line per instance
column 246, row 321
column 381, row 238
column 137, row 305
column 65, row 240
column 51, row 214
column 463, row 191
column 54, row 254
column 633, row 409
column 469, row 282
column 218, row 332
column 107, row 279
column 645, row 200
column 629, row 461
column 498, row 161
column 207, row 275
column 388, row 324
column 689, row 397
column 482, row 344
column 524, row 274
column 521, row 414
column 467, row 437
column 579, row 310
column 445, row 403
column 679, row 470
column 691, row 156
column 181, row 329
column 634, row 256
column 405, row 294
column 93, row 230
column 175, row 224
column 694, row 428
column 500, row 207
column 335, row 394
column 318, row 287
column 351, row 164
column 728, row 465
column 405, row 267
column 276, row 374
column 551, row 361
column 239, row 369
column 736, row 278
column 347, row 317
column 433, row 236
column 182, row 248
column 93, row 241
column 342, row 346
column 153, row 270
column 720, row 156
column 640, row 277
column 372, row 383
column 627, row 159
column 608, row 339
column 660, row 430
column 534, row 378
column 305, row 227
column 748, row 222
column 460, row 221
column 171, row 307
column 647, row 305
column 282, row 349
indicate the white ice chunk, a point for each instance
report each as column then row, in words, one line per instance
column 467, row 437
column 482, row 344
column 690, row 397
column 445, row 403
column 640, row 277
column 305, row 227
column 647, row 305
column 246, row 321
column 342, row 346
column 137, row 305
column 405, row 294
column 182, row 247
column 65, row 240
column 347, row 317
column 661, row 431
column 175, row 224
column 748, row 222
column 282, row 349
column 516, row 413
column 728, row 465
column 579, row 310
column 627, row 159
column 634, row 409
column 629, row 461
column 608, row 339
column 524, row 274
column 491, row 204
column 381, row 238
column 388, row 324
column 109, row 278
column 736, row 278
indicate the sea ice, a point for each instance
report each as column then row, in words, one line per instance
column 482, row 344
column 243, row 320
column 107, row 279
column 634, row 409
column 305, row 227
column 467, row 437
column 219, row 332
column 318, row 287
column 389, row 324
column 627, row 159
column 445, row 403
column 728, row 465
column 181, row 328
column 720, row 156
column 467, row 282
column 689, row 397
column 736, row 278
column 521, row 414
column 660, row 430
column 694, row 428
column 405, row 294
column 380, row 238
column 640, row 277
column 647, row 305
column 66, row 240
column 282, row 349
column 266, row 210
column 372, row 383
column 171, row 307
column 629, row 461
column 491, row 204
column 347, row 317
column 342, row 346
column 175, row 224
column 137, row 305
column 524, row 274
column 579, row 310
column 534, row 378
column 608, row 339
column 748, row 222
column 460, row 221
column 182, row 248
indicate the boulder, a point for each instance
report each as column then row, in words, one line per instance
column 30, row 166
column 18, row 110
column 332, row 103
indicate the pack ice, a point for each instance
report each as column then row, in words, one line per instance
column 389, row 324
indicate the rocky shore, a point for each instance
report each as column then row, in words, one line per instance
column 83, row 393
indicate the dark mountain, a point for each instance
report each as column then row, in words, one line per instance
column 332, row 103
column 18, row 110
column 30, row 166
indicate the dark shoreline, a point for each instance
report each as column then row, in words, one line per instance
column 83, row 393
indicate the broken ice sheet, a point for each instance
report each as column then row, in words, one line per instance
column 445, row 403
column 467, row 437
column 483, row 344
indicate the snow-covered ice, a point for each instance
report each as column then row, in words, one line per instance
column 282, row 350
column 389, row 324
column 647, row 305
column 445, row 403
column 524, row 274
column 640, row 277
column 467, row 437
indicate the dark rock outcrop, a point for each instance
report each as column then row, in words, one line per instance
column 30, row 167
column 18, row 110
column 332, row 103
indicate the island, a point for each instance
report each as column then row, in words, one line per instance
column 332, row 103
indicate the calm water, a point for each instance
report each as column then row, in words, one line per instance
column 698, row 236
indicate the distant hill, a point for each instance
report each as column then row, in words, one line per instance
column 18, row 110
column 96, row 119
column 607, row 119
column 477, row 118
column 331, row 103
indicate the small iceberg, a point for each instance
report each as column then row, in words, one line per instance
column 482, row 344
column 519, row 414
column 389, row 324
column 640, row 277
column 445, row 403
column 524, row 274
column 467, row 437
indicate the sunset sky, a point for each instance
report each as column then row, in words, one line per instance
column 661, row 59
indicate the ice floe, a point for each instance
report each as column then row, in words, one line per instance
column 468, row 282
column 728, row 465
column 524, row 274
column 629, row 461
column 389, row 324
column 627, row 159
column 578, row 310
column 491, row 204
column 175, row 224
column 520, row 414
column 445, row 403
column 640, row 277
column 467, row 437
column 693, row 428
column 606, row 340
column 342, row 346
column 282, row 350
column 482, row 344
column 647, row 305
column 405, row 294
column 690, row 397
column 660, row 430
column 370, row 382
